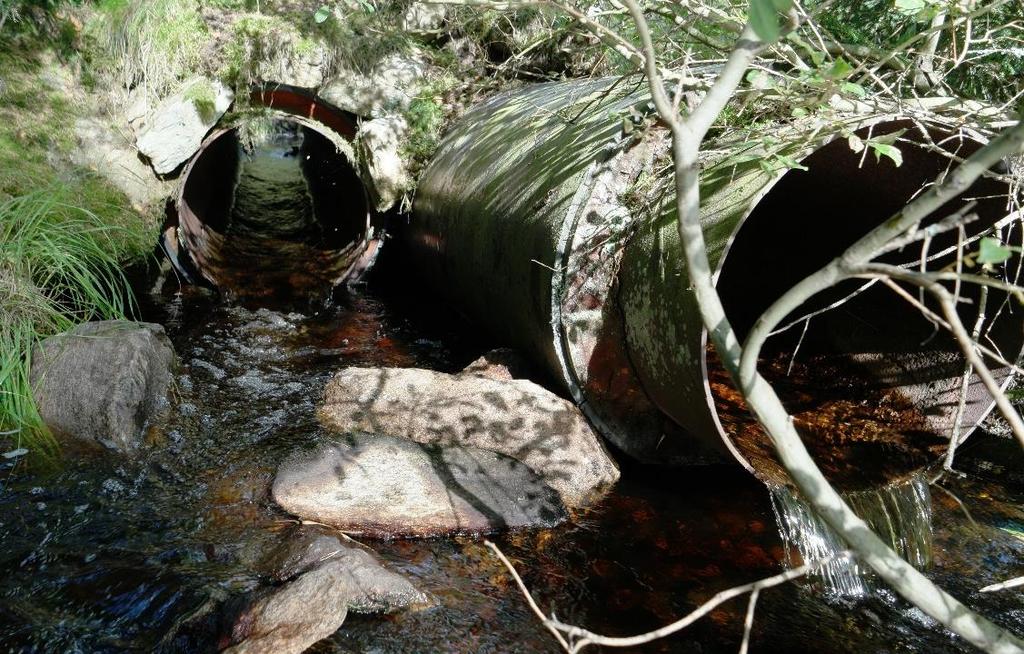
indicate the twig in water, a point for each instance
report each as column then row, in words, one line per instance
column 963, row 507
column 529, row 598
column 575, row 638
column 748, row 622
column 1012, row 583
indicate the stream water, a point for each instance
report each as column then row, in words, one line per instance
column 111, row 554
column 118, row 554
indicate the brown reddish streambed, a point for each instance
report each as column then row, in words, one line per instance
column 114, row 555
column 861, row 437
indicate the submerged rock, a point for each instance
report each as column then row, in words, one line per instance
column 104, row 381
column 388, row 486
column 296, row 615
column 326, row 578
column 375, row 588
column 514, row 417
column 174, row 130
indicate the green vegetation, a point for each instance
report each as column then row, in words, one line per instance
column 203, row 96
column 64, row 231
column 991, row 68
column 154, row 44
column 37, row 136
column 425, row 117
column 59, row 265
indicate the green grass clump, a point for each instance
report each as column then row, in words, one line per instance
column 59, row 265
column 63, row 231
column 36, row 140
column 204, row 97
column 425, row 117
column 152, row 43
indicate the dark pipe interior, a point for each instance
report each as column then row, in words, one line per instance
column 281, row 221
column 874, row 387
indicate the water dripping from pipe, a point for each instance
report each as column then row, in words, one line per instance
column 899, row 513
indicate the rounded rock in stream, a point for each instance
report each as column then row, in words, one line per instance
column 379, row 589
column 514, row 417
column 104, row 381
column 387, row 486
column 329, row 576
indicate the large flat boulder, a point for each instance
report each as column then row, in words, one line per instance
column 387, row 486
column 390, row 86
column 514, row 417
column 104, row 381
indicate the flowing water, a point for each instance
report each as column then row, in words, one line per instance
column 900, row 513
column 113, row 555
column 122, row 554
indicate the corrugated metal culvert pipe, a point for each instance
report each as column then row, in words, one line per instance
column 551, row 223
column 289, row 218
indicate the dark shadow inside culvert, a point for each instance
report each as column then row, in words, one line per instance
column 873, row 385
column 281, row 218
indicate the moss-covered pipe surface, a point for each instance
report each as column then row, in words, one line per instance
column 547, row 216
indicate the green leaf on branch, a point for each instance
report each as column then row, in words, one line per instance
column 322, row 14
column 764, row 18
column 840, row 68
column 776, row 162
column 886, row 150
column 990, row 250
column 853, row 89
column 790, row 162
column 910, row 7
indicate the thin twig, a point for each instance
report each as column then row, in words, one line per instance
column 1012, row 583
column 529, row 598
column 748, row 622
column 581, row 638
column 961, row 407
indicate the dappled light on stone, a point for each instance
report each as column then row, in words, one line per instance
column 382, row 486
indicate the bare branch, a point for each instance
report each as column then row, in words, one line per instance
column 579, row 638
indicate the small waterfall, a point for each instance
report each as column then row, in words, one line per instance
column 900, row 513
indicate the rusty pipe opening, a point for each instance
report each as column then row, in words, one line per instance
column 282, row 217
column 874, row 385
